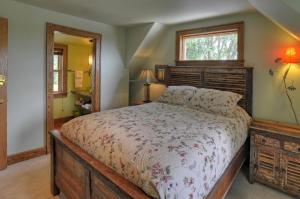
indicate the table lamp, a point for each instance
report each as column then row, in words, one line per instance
column 147, row 77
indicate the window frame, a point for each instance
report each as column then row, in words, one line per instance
column 181, row 34
column 63, row 82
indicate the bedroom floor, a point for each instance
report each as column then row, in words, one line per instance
column 30, row 180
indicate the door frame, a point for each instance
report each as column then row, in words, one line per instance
column 3, row 105
column 96, row 70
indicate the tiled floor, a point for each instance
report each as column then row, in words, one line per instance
column 30, row 180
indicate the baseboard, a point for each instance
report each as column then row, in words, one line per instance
column 26, row 155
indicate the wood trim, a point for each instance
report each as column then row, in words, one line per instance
column 96, row 70
column 276, row 124
column 239, row 26
column 63, row 119
column 283, row 129
column 213, row 63
column 3, row 92
column 123, row 187
column 64, row 81
column 60, row 95
column 26, row 155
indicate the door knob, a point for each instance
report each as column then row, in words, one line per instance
column 2, row 80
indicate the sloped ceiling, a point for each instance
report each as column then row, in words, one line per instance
column 129, row 12
column 138, row 54
column 285, row 13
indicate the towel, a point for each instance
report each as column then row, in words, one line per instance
column 78, row 79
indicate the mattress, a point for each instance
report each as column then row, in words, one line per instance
column 168, row 151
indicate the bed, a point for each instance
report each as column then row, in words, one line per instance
column 117, row 153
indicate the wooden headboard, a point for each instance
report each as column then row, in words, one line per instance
column 234, row 79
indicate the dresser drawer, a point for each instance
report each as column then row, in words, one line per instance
column 292, row 147
column 267, row 141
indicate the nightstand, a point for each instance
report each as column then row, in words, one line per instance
column 275, row 155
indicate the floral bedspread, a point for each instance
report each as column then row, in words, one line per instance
column 168, row 151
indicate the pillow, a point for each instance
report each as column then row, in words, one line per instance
column 214, row 101
column 239, row 112
column 179, row 95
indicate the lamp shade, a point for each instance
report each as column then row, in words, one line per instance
column 147, row 76
column 291, row 56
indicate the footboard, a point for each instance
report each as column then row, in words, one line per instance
column 77, row 175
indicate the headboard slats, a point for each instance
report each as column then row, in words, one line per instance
column 234, row 79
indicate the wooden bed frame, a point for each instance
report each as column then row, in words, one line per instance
column 77, row 175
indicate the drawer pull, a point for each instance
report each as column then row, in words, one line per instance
column 263, row 141
column 299, row 149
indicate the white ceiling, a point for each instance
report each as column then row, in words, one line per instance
column 70, row 39
column 128, row 12
column 284, row 13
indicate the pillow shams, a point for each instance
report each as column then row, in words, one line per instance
column 214, row 101
column 179, row 95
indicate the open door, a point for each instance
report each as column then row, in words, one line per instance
column 3, row 92
column 95, row 38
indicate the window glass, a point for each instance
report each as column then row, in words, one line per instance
column 55, row 81
column 55, row 62
column 219, row 46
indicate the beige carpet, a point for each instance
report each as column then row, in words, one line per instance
column 30, row 180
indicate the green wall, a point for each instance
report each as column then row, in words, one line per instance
column 27, row 70
column 263, row 42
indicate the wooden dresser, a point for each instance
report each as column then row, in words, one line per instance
column 275, row 155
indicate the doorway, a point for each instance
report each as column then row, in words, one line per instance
column 3, row 92
column 73, row 85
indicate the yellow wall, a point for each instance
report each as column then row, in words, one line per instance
column 263, row 42
column 78, row 56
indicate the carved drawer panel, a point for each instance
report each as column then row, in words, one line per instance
column 292, row 147
column 101, row 190
column 275, row 156
column 267, row 141
column 291, row 173
column 265, row 167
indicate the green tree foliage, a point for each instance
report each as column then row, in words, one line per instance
column 212, row 47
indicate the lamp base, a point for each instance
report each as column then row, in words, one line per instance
column 147, row 93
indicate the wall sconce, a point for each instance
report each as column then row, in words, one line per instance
column 2, row 80
column 290, row 58
column 161, row 73
column 90, row 60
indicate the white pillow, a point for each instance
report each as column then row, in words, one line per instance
column 239, row 112
column 214, row 101
column 179, row 95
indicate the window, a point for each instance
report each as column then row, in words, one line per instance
column 60, row 70
column 218, row 45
